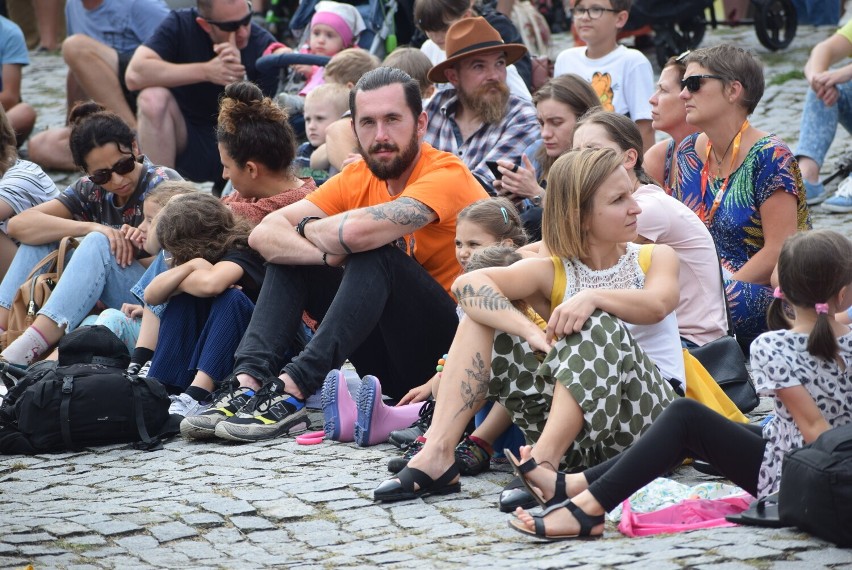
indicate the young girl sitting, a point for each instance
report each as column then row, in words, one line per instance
column 804, row 363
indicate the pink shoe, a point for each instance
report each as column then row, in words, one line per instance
column 338, row 408
column 375, row 419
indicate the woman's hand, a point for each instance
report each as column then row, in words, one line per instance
column 519, row 184
column 570, row 316
column 419, row 394
column 539, row 341
column 132, row 311
column 119, row 245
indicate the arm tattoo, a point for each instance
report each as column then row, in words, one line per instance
column 403, row 212
column 485, row 298
column 475, row 387
column 340, row 235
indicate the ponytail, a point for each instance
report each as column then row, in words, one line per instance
column 821, row 342
column 775, row 317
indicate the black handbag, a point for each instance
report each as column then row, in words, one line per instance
column 816, row 486
column 724, row 360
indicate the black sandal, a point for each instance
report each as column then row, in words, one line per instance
column 521, row 470
column 587, row 523
column 402, row 488
column 515, row 495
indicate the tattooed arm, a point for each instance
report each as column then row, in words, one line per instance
column 485, row 296
column 371, row 227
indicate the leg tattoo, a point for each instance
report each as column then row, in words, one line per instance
column 475, row 388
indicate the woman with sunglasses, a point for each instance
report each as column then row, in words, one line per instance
column 742, row 182
column 668, row 115
column 104, row 206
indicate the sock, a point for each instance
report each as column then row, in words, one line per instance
column 140, row 356
column 198, row 393
column 27, row 347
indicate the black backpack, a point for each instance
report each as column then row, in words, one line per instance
column 816, row 486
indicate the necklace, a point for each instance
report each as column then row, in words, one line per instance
column 716, row 156
column 706, row 217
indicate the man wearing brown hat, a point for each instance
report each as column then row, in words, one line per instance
column 479, row 120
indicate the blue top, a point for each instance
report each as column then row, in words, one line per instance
column 123, row 25
column 13, row 48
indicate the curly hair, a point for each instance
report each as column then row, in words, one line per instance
column 92, row 126
column 199, row 225
column 252, row 127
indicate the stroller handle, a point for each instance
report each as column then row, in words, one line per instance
column 272, row 62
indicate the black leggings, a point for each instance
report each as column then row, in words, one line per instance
column 686, row 428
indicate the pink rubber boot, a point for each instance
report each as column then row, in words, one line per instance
column 338, row 408
column 375, row 419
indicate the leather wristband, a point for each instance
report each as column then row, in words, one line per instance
column 300, row 227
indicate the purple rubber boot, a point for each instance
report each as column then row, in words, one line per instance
column 375, row 419
column 338, row 408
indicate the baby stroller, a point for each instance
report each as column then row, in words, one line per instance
column 680, row 26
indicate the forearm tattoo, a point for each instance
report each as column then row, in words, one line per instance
column 475, row 387
column 486, row 298
column 340, row 235
column 403, row 212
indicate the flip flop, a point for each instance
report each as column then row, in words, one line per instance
column 402, row 487
column 311, row 438
column 762, row 512
column 587, row 523
column 521, row 469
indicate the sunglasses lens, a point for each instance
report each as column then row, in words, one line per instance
column 100, row 177
column 691, row 83
column 234, row 26
column 124, row 165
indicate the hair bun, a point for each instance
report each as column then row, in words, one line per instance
column 83, row 110
column 244, row 92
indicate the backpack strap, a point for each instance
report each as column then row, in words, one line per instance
column 560, row 281
column 64, row 419
column 645, row 252
column 146, row 442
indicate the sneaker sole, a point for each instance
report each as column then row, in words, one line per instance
column 366, row 402
column 817, row 199
column 193, row 431
column 835, row 209
column 332, row 424
column 293, row 424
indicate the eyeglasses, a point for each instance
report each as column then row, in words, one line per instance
column 104, row 175
column 233, row 25
column 693, row 82
column 592, row 13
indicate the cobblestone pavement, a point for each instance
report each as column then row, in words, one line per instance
column 276, row 504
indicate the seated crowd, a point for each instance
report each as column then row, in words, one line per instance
column 387, row 214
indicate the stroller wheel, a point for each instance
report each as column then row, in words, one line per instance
column 674, row 39
column 775, row 22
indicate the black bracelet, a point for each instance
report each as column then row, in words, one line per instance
column 325, row 259
column 300, row 227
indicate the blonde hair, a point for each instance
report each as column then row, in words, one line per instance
column 415, row 63
column 572, row 183
column 336, row 94
column 347, row 66
column 168, row 189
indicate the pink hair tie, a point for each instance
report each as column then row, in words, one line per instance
column 778, row 294
column 821, row 308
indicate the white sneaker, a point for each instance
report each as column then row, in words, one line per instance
column 184, row 405
column 841, row 202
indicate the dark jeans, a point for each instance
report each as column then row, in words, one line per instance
column 200, row 334
column 383, row 312
column 686, row 428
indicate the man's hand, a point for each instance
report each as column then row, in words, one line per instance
column 226, row 67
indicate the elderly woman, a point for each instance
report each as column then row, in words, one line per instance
column 742, row 182
column 559, row 103
column 668, row 115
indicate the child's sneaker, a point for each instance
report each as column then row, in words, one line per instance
column 226, row 402
column 185, row 405
column 397, row 464
column 814, row 193
column 402, row 438
column 270, row 413
column 472, row 457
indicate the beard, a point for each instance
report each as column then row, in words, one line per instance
column 389, row 170
column 489, row 106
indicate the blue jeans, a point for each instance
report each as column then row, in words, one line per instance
column 383, row 311
column 819, row 123
column 157, row 266
column 91, row 274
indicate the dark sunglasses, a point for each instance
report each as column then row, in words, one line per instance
column 104, row 175
column 233, row 25
column 693, row 82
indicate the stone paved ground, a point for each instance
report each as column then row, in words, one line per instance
column 277, row 504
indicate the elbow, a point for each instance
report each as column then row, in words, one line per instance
column 259, row 238
column 14, row 227
column 133, row 79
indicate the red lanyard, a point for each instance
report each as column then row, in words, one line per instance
column 705, row 174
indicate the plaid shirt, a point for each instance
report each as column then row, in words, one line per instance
column 505, row 140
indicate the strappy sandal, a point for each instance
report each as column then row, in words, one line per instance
column 402, row 488
column 521, row 470
column 587, row 523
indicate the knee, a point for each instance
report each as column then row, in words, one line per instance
column 153, row 102
column 97, row 242
column 113, row 319
column 77, row 49
column 232, row 298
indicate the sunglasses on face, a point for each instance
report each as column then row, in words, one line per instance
column 233, row 25
column 122, row 167
column 693, row 82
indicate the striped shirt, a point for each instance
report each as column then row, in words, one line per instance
column 25, row 185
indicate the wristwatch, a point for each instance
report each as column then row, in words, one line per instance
column 300, row 227
column 536, row 200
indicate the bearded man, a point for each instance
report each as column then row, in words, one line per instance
column 478, row 120
column 370, row 255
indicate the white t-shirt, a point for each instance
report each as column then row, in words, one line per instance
column 25, row 185
column 623, row 78
column 513, row 79
column 701, row 311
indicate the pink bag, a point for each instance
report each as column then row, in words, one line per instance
column 689, row 514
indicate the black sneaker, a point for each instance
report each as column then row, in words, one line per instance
column 226, row 402
column 397, row 464
column 271, row 413
column 402, row 438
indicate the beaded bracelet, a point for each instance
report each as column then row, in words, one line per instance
column 441, row 363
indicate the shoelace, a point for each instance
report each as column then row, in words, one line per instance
column 229, row 388
column 426, row 412
column 262, row 399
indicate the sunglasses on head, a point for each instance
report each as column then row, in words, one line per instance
column 693, row 82
column 104, row 175
column 233, row 25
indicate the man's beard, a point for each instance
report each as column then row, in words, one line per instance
column 399, row 164
column 490, row 107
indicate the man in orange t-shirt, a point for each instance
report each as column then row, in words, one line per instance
column 389, row 222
